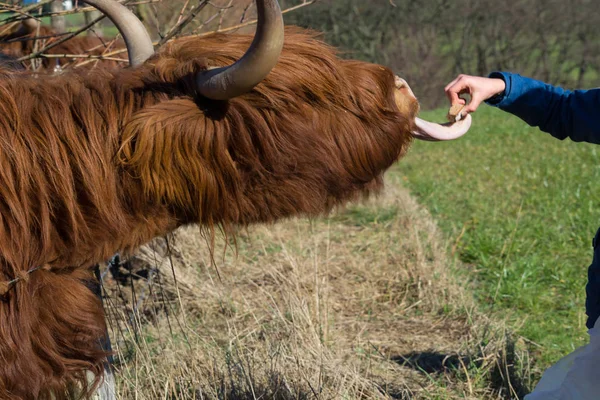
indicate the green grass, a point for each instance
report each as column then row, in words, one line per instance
column 520, row 209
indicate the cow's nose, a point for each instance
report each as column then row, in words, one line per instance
column 403, row 87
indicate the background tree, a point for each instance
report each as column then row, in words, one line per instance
column 58, row 21
column 430, row 41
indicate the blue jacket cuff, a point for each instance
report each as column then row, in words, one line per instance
column 497, row 100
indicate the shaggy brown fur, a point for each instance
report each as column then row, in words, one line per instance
column 92, row 163
column 23, row 41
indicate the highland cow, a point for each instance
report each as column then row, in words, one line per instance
column 29, row 36
column 102, row 161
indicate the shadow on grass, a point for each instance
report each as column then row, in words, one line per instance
column 504, row 378
column 432, row 362
column 277, row 388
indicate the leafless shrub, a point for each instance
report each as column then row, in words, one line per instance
column 165, row 19
column 429, row 42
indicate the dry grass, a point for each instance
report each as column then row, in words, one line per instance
column 360, row 305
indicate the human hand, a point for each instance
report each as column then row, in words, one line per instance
column 480, row 89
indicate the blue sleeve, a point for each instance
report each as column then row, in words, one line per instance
column 562, row 113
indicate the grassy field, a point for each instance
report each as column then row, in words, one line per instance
column 518, row 207
column 360, row 305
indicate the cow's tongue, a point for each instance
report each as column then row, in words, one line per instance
column 432, row 132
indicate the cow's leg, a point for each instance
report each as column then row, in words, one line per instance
column 107, row 390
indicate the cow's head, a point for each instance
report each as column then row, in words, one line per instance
column 296, row 130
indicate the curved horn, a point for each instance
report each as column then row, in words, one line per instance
column 228, row 82
column 137, row 39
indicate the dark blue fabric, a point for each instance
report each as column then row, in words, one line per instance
column 592, row 289
column 563, row 114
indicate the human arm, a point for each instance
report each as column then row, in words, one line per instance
column 560, row 112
